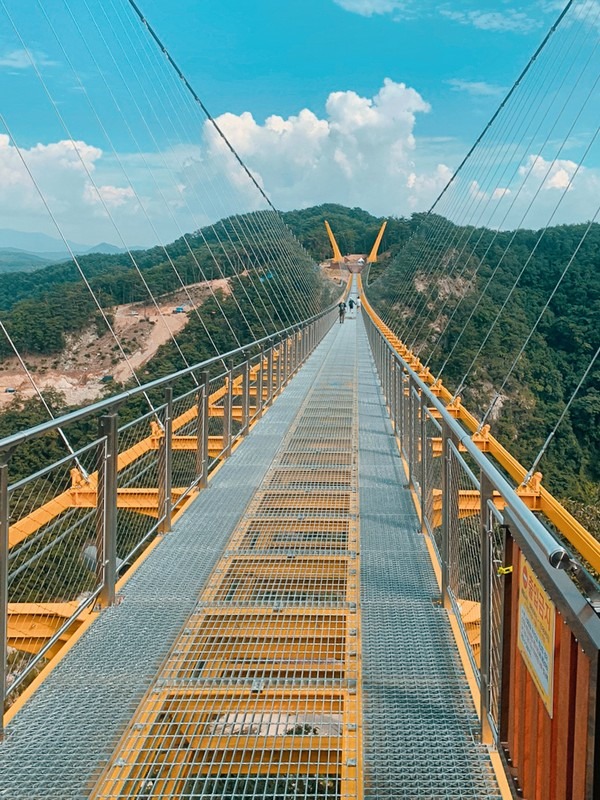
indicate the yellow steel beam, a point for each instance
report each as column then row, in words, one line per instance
column 573, row 531
column 32, row 625
column 142, row 500
column 373, row 254
column 337, row 255
column 469, row 504
column 470, row 614
column 37, row 519
column 186, row 729
column 78, row 495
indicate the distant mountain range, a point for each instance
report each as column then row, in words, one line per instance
column 26, row 251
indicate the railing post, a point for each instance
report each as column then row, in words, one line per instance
column 279, row 365
column 270, row 366
column 402, row 409
column 4, row 526
column 227, row 405
column 106, row 509
column 389, row 359
column 286, row 360
column 486, row 496
column 202, row 455
column 392, row 390
column 165, row 468
column 449, row 510
column 259, row 384
column 386, row 386
column 423, row 462
column 410, row 431
column 245, row 397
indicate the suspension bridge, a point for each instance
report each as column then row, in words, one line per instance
column 294, row 562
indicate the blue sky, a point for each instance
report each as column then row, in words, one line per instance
column 281, row 57
column 372, row 102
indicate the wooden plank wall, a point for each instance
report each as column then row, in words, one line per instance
column 549, row 758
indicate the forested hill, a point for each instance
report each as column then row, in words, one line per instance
column 500, row 282
column 39, row 308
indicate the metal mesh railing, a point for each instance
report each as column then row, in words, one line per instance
column 52, row 566
column 464, row 498
column 76, row 524
column 140, row 502
column 464, row 548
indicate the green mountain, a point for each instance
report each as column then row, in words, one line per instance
column 14, row 260
column 471, row 312
column 40, row 308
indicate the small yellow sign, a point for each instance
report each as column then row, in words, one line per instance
column 537, row 618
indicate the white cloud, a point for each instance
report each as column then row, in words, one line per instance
column 586, row 10
column 109, row 196
column 524, row 19
column 367, row 8
column 476, row 88
column 543, row 192
column 363, row 152
column 557, row 174
column 61, row 171
column 509, row 20
column 22, row 59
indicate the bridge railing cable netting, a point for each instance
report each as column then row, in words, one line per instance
column 73, row 526
column 191, row 320
column 526, row 610
column 496, row 290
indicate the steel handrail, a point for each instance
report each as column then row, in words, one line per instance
column 16, row 439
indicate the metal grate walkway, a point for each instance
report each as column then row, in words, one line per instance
column 420, row 724
column 232, row 667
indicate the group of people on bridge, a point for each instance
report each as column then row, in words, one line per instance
column 343, row 308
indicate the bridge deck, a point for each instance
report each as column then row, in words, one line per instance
column 257, row 643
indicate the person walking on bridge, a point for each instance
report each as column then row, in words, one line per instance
column 342, row 311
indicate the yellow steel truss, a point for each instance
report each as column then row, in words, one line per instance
column 373, row 254
column 337, row 255
column 32, row 625
column 533, row 493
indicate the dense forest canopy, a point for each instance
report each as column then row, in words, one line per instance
column 448, row 307
column 469, row 311
column 39, row 308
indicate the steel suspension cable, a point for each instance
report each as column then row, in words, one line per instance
column 137, row 196
column 541, row 314
column 176, row 113
column 205, row 110
column 514, row 285
column 89, row 177
column 42, row 399
column 74, row 258
column 562, row 416
column 565, row 74
column 499, row 110
column 151, row 173
column 507, row 98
